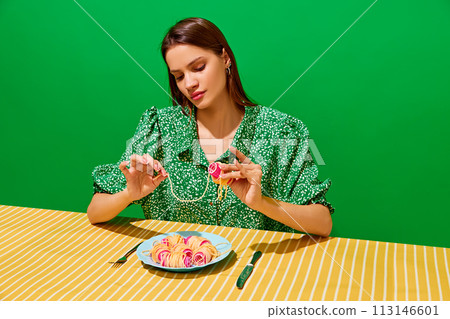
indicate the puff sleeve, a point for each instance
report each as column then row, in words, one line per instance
column 295, row 174
column 108, row 178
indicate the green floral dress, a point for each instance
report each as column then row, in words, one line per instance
column 275, row 140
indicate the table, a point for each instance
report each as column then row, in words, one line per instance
column 59, row 255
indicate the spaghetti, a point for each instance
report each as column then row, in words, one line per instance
column 179, row 252
column 215, row 171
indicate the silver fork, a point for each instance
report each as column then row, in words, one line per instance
column 119, row 262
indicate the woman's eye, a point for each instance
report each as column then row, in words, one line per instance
column 197, row 69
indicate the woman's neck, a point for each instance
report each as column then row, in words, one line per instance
column 220, row 121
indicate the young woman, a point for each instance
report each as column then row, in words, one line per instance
column 263, row 152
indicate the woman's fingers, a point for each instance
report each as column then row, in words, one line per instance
column 160, row 168
column 246, row 169
column 244, row 159
column 123, row 168
column 147, row 164
column 136, row 162
column 237, row 174
column 158, row 179
column 241, row 170
column 133, row 161
column 155, row 165
column 250, row 172
column 228, row 167
column 141, row 163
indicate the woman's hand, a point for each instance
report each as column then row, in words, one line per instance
column 140, row 176
column 246, row 179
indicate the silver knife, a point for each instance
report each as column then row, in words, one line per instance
column 248, row 270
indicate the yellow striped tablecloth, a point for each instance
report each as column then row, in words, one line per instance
column 59, row 255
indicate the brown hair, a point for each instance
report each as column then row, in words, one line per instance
column 202, row 33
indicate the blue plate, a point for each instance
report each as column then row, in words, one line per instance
column 224, row 248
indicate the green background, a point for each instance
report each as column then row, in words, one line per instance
column 376, row 103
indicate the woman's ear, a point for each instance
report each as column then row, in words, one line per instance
column 225, row 57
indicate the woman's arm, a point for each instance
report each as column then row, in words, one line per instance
column 246, row 185
column 104, row 207
column 313, row 218
column 140, row 182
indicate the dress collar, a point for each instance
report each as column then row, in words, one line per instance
column 187, row 145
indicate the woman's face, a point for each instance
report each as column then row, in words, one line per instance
column 198, row 70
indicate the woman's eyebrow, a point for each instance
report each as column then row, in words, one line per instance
column 190, row 63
